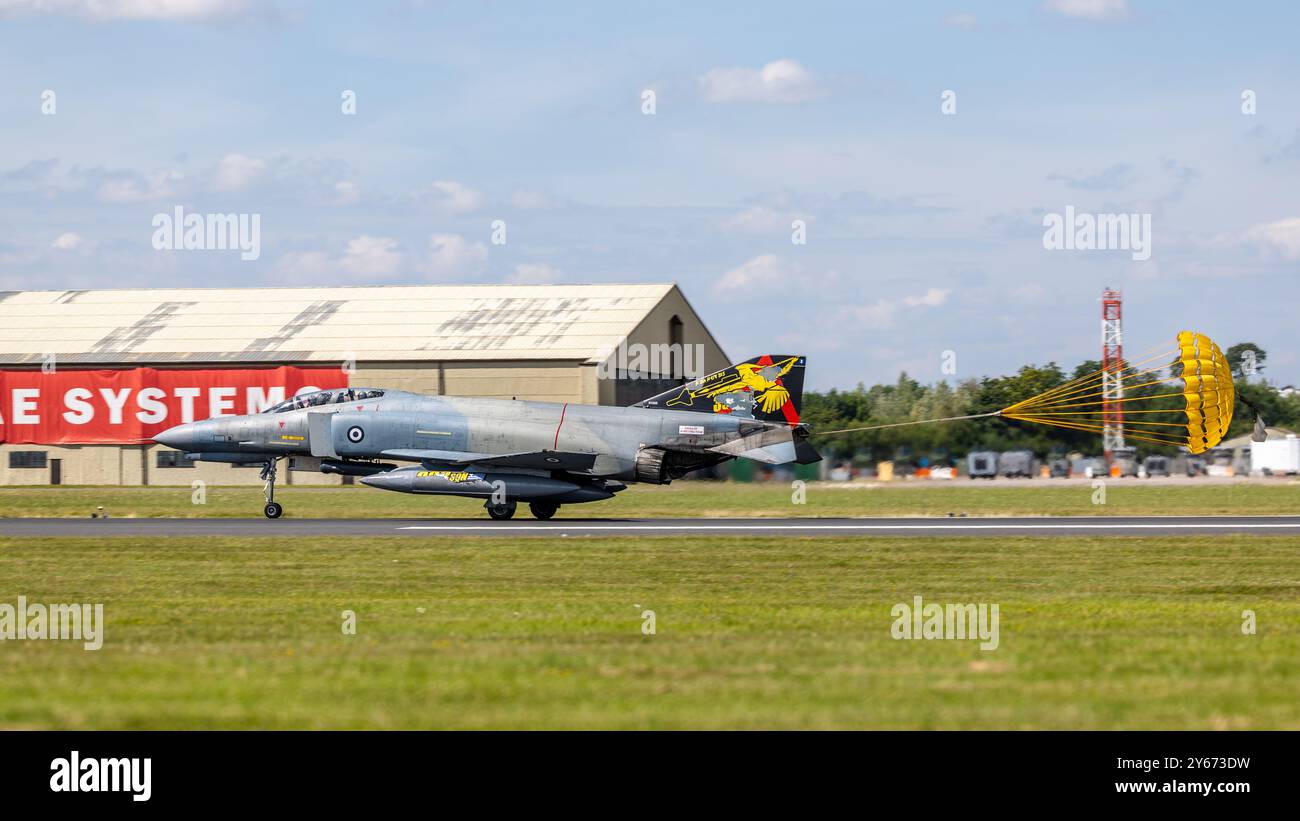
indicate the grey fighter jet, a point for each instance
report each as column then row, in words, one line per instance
column 506, row 451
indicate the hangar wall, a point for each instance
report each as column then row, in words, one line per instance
column 671, row 321
column 668, row 320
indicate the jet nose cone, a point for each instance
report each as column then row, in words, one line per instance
column 180, row 437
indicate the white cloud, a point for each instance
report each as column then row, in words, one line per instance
column 534, row 273
column 781, row 81
column 524, row 198
column 365, row 257
column 759, row 272
column 1089, row 9
column 235, row 172
column 345, row 193
column 311, row 181
column 301, row 266
column 456, row 198
column 451, row 254
column 368, row 256
column 883, row 311
column 1281, row 238
column 1030, row 293
column 103, row 10
column 139, row 188
column 932, row 298
column 880, row 312
column 66, row 241
column 757, row 219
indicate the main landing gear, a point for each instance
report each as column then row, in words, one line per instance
column 273, row 509
column 540, row 510
column 543, row 510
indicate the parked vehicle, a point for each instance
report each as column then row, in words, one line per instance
column 1277, row 456
column 982, row 464
column 1016, row 463
column 1059, row 468
column 1220, row 462
column 1088, row 466
column 1126, row 460
column 1156, row 466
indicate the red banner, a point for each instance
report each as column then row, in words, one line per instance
column 130, row 406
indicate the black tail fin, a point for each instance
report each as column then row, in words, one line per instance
column 768, row 388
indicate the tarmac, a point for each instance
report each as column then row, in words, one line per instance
column 528, row 527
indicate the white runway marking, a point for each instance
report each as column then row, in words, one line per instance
column 734, row 528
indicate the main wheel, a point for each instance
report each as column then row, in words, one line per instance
column 273, row 510
column 543, row 510
column 501, row 512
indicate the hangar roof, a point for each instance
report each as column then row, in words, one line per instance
column 176, row 326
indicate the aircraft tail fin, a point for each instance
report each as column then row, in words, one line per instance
column 768, row 388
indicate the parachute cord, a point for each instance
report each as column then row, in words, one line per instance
column 1260, row 431
column 903, row 424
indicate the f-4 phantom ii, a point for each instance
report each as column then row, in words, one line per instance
column 509, row 451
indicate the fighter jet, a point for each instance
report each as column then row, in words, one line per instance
column 509, row 451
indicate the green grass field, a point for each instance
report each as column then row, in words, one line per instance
column 1131, row 497
column 751, row 633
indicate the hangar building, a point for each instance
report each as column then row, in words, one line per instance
column 86, row 377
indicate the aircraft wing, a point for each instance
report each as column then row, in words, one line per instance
column 537, row 460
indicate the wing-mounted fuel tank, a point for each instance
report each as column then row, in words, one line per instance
column 511, row 487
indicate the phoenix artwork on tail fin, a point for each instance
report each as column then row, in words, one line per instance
column 506, row 451
column 768, row 388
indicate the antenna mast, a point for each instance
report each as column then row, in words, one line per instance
column 1112, row 377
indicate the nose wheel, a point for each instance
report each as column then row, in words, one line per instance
column 501, row 512
column 273, row 509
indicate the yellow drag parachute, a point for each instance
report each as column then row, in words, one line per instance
column 1186, row 401
column 1208, row 389
column 1182, row 397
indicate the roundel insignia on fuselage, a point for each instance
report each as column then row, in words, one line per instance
column 356, row 434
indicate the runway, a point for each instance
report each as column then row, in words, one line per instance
column 526, row 527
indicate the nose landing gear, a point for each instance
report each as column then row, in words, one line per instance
column 501, row 512
column 273, row 509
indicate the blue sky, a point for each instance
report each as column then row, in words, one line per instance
column 924, row 230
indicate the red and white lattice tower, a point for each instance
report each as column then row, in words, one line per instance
column 1112, row 377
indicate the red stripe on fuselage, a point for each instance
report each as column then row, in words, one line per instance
column 556, row 445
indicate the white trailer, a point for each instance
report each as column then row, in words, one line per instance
column 1276, row 455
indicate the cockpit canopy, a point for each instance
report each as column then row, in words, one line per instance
column 318, row 398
